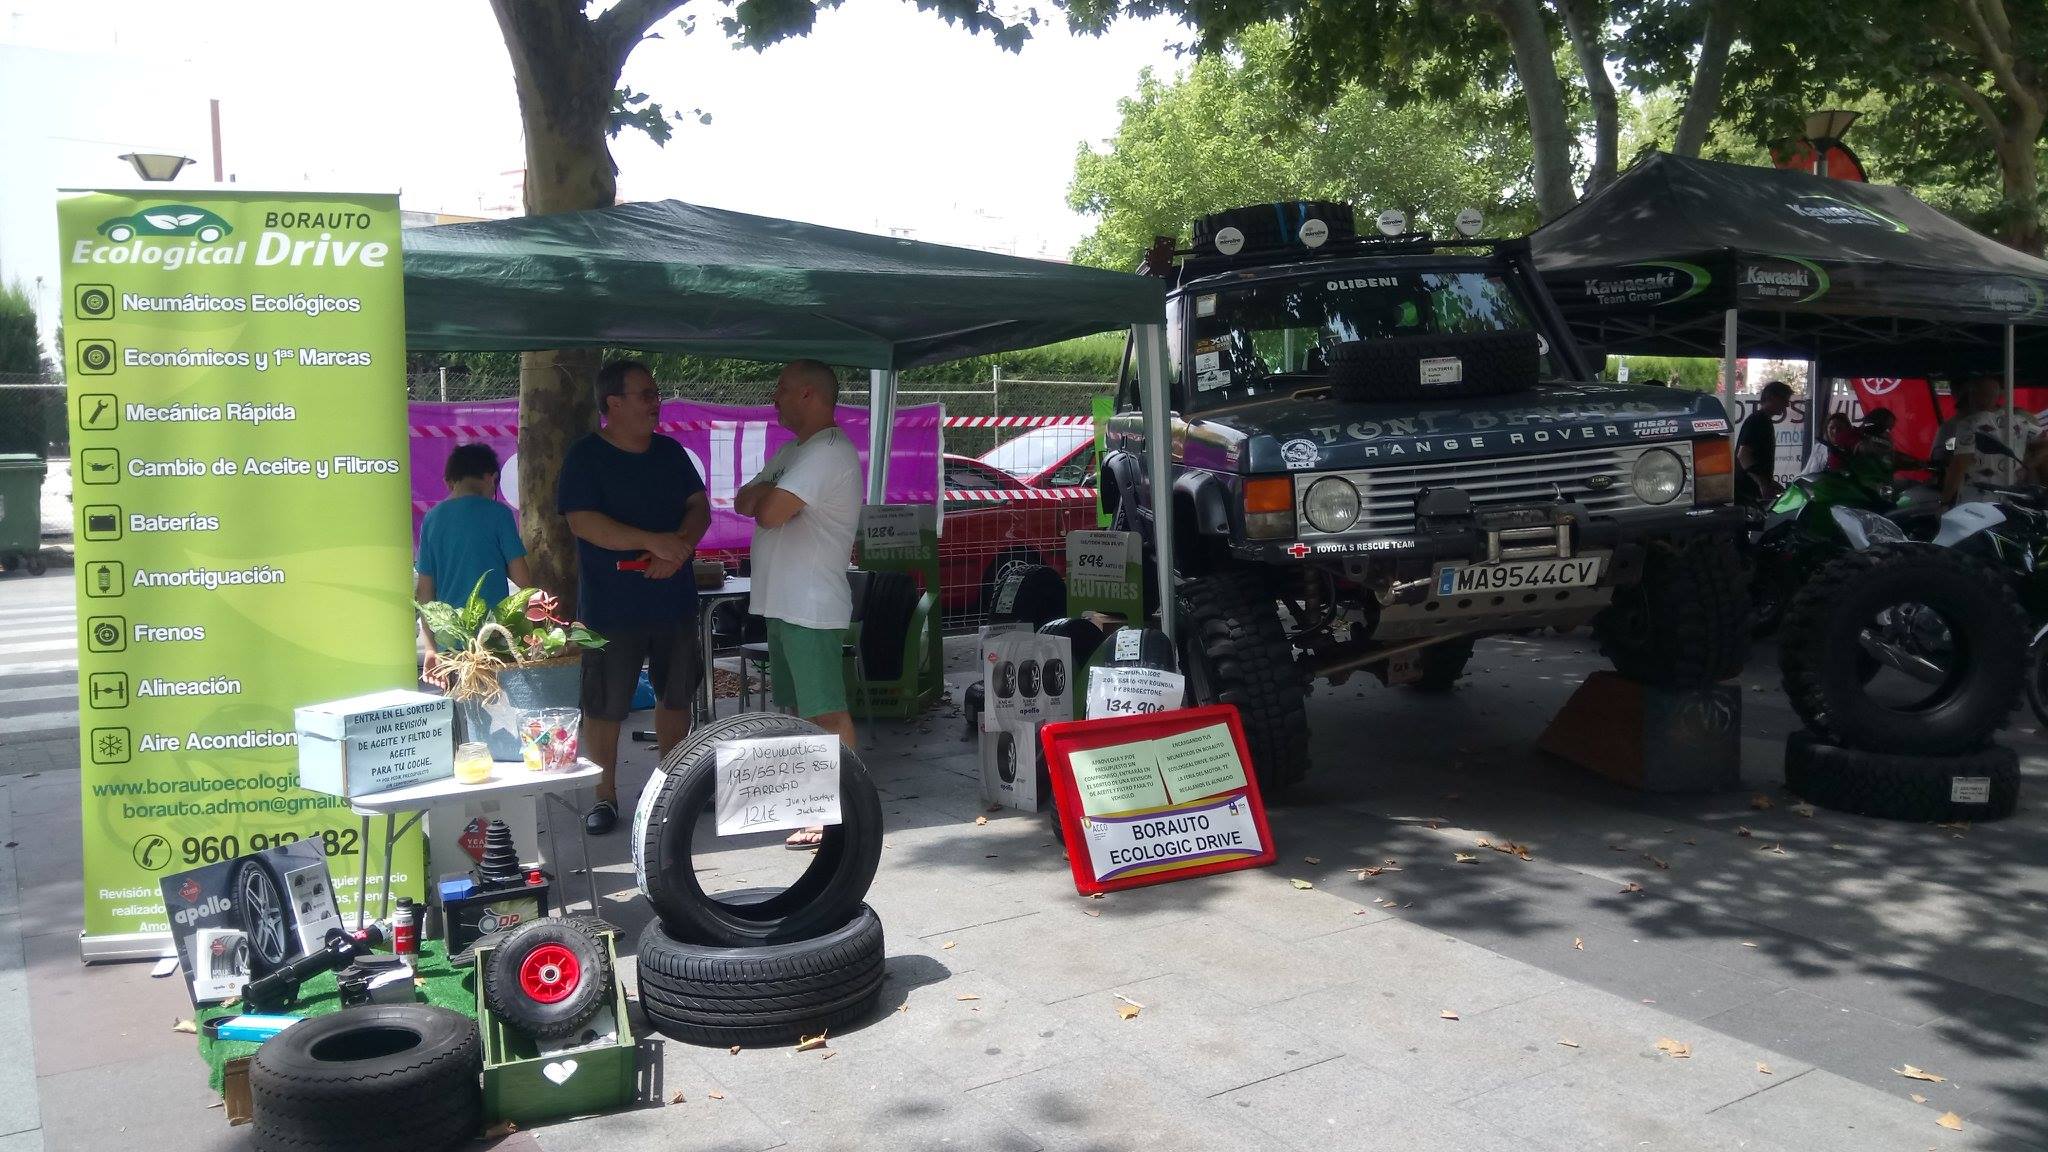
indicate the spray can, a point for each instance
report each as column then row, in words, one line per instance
column 405, row 928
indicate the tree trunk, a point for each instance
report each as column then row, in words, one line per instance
column 1583, row 21
column 565, row 75
column 1549, row 134
column 2020, row 171
column 1703, row 100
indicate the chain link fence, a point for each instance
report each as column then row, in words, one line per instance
column 32, row 415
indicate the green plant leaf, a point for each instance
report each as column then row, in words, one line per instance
column 475, row 612
column 443, row 622
column 584, row 638
column 511, row 611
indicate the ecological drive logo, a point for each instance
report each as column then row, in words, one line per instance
column 167, row 220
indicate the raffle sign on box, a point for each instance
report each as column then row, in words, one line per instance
column 1155, row 798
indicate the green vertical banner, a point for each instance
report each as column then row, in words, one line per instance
column 236, row 376
column 1104, row 409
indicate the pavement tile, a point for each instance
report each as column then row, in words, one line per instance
column 1053, row 956
column 1427, row 969
column 1583, row 1108
column 1193, row 1037
column 859, row 1100
column 698, row 1123
column 95, row 1014
column 1820, row 1112
column 155, row 1102
column 1100, row 1107
column 1263, row 900
column 29, row 1141
column 1241, row 963
column 969, row 1043
column 18, row 1111
column 1346, row 1105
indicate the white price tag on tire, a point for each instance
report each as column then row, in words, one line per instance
column 1133, row 692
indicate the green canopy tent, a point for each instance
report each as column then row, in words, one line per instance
column 679, row 277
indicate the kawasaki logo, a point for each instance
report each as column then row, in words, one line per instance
column 214, row 906
column 1829, row 210
column 1662, row 282
column 1764, row 276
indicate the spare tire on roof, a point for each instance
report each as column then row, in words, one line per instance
column 665, row 826
column 1436, row 366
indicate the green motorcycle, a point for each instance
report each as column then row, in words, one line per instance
column 1800, row 535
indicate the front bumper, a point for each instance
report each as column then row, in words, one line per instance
column 1465, row 541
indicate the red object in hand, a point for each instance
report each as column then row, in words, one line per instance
column 634, row 565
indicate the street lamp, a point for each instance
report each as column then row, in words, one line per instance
column 1824, row 130
column 156, row 167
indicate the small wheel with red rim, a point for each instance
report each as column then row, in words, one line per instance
column 547, row 979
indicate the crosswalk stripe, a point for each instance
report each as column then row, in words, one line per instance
column 39, row 692
column 37, row 612
column 41, row 724
column 39, row 631
column 67, row 643
column 39, row 668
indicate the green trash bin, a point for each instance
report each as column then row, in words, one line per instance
column 21, row 513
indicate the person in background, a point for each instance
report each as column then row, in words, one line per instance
column 632, row 496
column 1756, row 447
column 1980, row 408
column 1837, row 438
column 470, row 537
column 806, row 508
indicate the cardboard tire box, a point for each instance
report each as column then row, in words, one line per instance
column 523, row 1084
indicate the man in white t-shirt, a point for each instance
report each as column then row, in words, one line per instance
column 1980, row 407
column 806, row 504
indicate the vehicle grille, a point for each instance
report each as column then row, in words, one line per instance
column 1387, row 493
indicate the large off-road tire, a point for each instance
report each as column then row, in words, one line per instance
column 665, row 824
column 767, row 995
column 1833, row 630
column 1442, row 665
column 547, row 977
column 382, row 1078
column 1979, row 785
column 1685, row 624
column 1234, row 651
column 1395, row 368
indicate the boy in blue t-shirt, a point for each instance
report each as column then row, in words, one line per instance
column 470, row 535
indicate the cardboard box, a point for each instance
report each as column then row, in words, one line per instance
column 374, row 743
column 241, row 919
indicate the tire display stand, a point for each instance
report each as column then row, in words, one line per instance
column 1649, row 738
column 923, row 675
column 523, row 1084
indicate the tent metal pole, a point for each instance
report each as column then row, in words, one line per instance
column 2011, row 379
column 1154, row 387
column 881, row 431
column 1820, row 396
column 1728, row 339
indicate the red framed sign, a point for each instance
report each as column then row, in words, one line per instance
column 1158, row 797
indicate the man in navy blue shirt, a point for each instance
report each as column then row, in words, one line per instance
column 632, row 495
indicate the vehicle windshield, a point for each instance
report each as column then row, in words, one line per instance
column 1275, row 335
column 1036, row 450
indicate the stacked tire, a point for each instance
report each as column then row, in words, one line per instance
column 756, row 967
column 1947, row 621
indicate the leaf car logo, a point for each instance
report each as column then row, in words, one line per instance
column 167, row 220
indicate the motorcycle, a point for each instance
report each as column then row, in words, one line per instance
column 1800, row 534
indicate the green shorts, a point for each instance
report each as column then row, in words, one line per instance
column 806, row 668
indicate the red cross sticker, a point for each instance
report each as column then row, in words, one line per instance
column 1297, row 549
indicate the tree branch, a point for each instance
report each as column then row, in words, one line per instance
column 1995, row 51
column 1978, row 102
column 1583, row 20
column 1703, row 99
column 1543, row 92
column 625, row 24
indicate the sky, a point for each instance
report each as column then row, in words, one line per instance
column 883, row 119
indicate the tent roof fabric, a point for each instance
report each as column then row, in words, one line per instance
column 670, row 276
column 1815, row 266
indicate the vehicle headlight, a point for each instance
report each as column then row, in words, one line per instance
column 1659, row 476
column 1331, row 504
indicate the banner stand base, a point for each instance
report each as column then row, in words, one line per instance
column 133, row 946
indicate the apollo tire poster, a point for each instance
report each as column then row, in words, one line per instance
column 235, row 367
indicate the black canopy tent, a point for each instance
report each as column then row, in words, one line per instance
column 1864, row 278
column 680, row 277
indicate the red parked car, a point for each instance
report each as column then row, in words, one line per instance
column 984, row 539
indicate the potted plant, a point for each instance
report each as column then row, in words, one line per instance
column 497, row 662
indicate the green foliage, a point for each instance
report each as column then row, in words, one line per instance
column 1692, row 373
column 21, row 349
column 523, row 627
column 1231, row 130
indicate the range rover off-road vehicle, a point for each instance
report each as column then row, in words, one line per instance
column 1384, row 448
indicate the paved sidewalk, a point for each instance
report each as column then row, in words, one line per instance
column 1800, row 963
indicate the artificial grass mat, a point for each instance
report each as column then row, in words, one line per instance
column 445, row 987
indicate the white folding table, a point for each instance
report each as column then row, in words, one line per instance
column 508, row 778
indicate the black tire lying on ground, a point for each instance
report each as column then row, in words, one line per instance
column 1685, row 624
column 765, row 995
column 547, row 977
column 1980, row 785
column 1234, row 651
column 1395, row 368
column 1828, row 669
column 384, row 1078
column 821, row 899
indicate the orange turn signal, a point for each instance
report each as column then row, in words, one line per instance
column 1714, row 457
column 1269, row 494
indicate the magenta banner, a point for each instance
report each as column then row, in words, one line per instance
column 728, row 443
